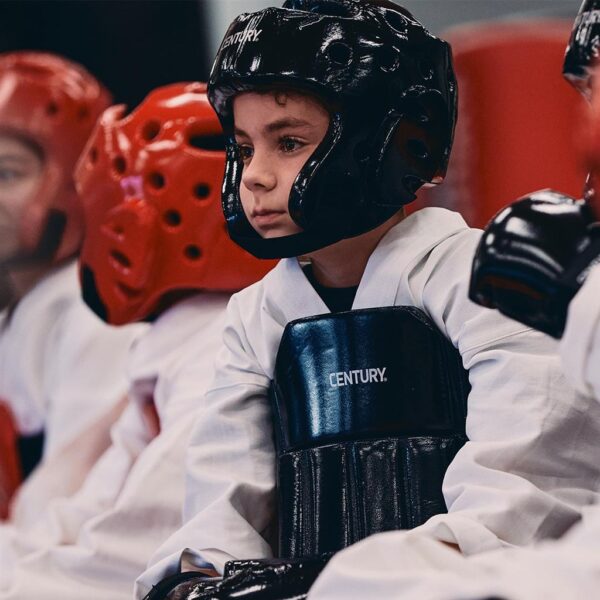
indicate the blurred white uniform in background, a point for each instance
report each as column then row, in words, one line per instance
column 62, row 371
column 94, row 544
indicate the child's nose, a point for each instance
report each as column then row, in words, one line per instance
column 259, row 173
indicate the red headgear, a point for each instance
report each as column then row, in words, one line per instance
column 54, row 103
column 150, row 183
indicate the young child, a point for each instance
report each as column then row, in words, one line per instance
column 155, row 249
column 337, row 111
column 61, row 370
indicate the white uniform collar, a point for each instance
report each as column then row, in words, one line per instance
column 291, row 293
column 413, row 236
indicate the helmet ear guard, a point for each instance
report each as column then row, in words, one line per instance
column 391, row 130
column 412, row 151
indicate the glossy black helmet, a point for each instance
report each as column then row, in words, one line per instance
column 393, row 87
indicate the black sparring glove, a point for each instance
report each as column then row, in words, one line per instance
column 533, row 257
column 176, row 586
column 269, row 579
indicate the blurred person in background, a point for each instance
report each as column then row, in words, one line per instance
column 62, row 376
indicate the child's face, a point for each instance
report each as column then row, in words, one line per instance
column 21, row 171
column 277, row 132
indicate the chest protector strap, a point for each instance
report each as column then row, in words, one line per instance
column 370, row 410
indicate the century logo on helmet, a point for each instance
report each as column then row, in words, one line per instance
column 343, row 378
column 241, row 37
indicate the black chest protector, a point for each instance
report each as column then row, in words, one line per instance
column 369, row 409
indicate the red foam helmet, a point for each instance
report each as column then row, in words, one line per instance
column 150, row 184
column 53, row 103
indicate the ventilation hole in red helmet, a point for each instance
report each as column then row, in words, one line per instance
column 426, row 69
column 339, row 53
column 51, row 109
column 121, row 259
column 202, row 191
column 417, row 148
column 93, row 155
column 83, row 112
column 119, row 165
column 150, row 130
column 117, row 230
column 192, row 252
column 155, row 180
column 212, row 143
column 172, row 218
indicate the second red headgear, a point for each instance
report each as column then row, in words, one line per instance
column 150, row 184
column 53, row 103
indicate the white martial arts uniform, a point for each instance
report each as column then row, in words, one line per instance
column 580, row 345
column 62, row 371
column 524, row 474
column 392, row 568
column 94, row 544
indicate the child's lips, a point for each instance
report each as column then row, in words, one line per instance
column 266, row 218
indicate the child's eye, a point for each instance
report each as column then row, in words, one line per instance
column 289, row 144
column 246, row 152
column 9, row 175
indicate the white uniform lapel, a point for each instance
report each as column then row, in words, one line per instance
column 293, row 294
column 411, row 238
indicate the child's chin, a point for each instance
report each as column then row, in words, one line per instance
column 277, row 233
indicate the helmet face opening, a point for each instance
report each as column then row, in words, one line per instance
column 394, row 92
column 150, row 185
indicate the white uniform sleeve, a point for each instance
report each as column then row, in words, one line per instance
column 62, row 520
column 530, row 463
column 230, row 468
column 85, row 373
column 580, row 345
column 568, row 568
column 103, row 537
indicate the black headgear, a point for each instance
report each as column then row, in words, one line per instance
column 394, row 89
column 584, row 47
